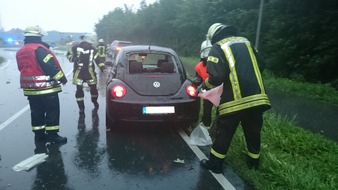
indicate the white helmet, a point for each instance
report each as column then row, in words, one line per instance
column 213, row 29
column 205, row 48
column 90, row 38
column 35, row 31
column 101, row 40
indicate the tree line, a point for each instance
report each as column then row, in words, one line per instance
column 298, row 38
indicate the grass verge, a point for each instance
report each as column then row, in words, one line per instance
column 291, row 157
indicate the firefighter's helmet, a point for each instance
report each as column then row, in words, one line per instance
column 35, row 31
column 101, row 40
column 216, row 28
column 205, row 48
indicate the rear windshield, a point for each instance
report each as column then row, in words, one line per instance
column 151, row 63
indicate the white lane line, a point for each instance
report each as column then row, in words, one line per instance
column 11, row 119
column 219, row 177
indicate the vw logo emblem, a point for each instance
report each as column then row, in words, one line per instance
column 156, row 84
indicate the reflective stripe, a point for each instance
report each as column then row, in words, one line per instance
column 58, row 75
column 52, row 128
column 79, row 99
column 36, row 85
column 77, row 81
column 32, row 92
column 233, row 73
column 94, row 96
column 213, row 59
column 43, row 77
column 36, row 81
column 35, row 128
column 247, row 102
column 101, row 65
column 47, row 58
column 252, row 155
column 218, row 155
column 208, row 84
column 256, row 68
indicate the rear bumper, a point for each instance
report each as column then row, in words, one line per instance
column 187, row 111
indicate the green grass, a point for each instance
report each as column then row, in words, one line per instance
column 291, row 157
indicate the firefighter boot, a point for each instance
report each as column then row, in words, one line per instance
column 54, row 137
column 214, row 164
column 253, row 163
column 40, row 147
column 40, row 135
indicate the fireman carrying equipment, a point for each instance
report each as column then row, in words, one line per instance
column 85, row 57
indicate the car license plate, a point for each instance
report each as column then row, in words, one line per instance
column 158, row 109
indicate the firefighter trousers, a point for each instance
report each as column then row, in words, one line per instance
column 207, row 109
column 45, row 112
column 79, row 95
column 251, row 121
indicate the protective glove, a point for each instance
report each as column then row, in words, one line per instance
column 63, row 80
column 201, row 88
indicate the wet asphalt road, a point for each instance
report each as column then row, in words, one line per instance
column 139, row 156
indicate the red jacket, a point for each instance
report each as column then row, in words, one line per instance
column 202, row 70
column 33, row 79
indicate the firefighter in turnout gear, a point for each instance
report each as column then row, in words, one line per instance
column 40, row 79
column 101, row 48
column 234, row 62
column 200, row 76
column 85, row 56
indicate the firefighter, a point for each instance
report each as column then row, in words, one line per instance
column 234, row 62
column 200, row 76
column 101, row 47
column 40, row 79
column 85, row 56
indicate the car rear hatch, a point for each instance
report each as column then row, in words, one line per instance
column 154, row 84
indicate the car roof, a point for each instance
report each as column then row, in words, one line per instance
column 147, row 48
column 121, row 41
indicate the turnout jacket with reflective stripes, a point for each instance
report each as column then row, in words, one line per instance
column 40, row 71
column 235, row 63
column 85, row 56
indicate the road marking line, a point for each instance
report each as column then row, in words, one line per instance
column 11, row 119
column 219, row 177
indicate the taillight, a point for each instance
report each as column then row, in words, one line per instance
column 191, row 90
column 118, row 48
column 118, row 91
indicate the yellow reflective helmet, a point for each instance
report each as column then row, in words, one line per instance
column 205, row 48
column 35, row 31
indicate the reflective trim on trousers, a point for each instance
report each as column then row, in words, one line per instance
column 80, row 99
column 35, row 128
column 252, row 155
column 218, row 155
column 52, row 128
